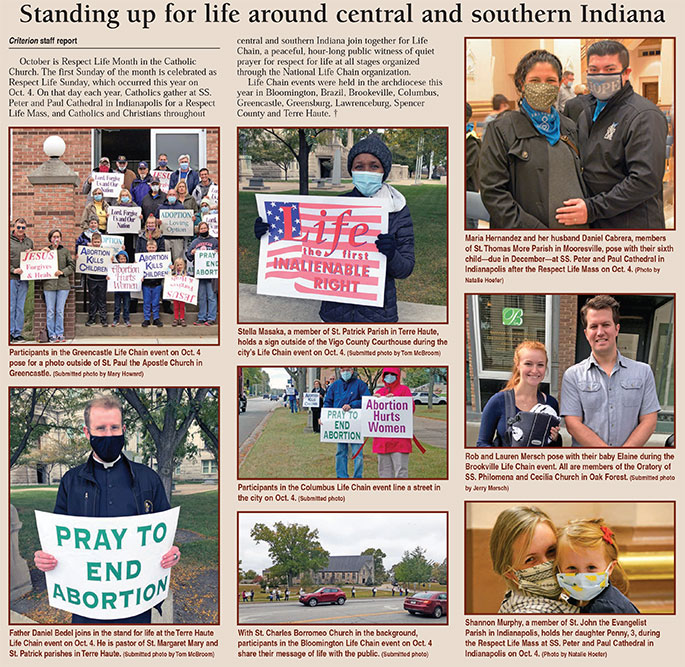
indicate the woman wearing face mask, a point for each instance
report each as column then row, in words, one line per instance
column 393, row 453
column 529, row 162
column 125, row 199
column 206, row 291
column 56, row 290
column 523, row 545
column 528, row 372
column 187, row 200
column 98, row 208
column 369, row 162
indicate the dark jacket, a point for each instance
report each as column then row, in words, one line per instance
column 16, row 248
column 610, row 601
column 192, row 180
column 200, row 243
column 139, row 188
column 574, row 107
column 513, row 171
column 78, row 493
column 66, row 264
column 401, row 226
column 151, row 203
column 350, row 393
column 141, row 241
column 473, row 145
column 623, row 154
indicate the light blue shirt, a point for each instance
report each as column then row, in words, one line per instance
column 609, row 405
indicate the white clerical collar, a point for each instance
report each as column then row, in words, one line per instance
column 105, row 464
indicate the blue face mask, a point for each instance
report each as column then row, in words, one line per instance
column 584, row 585
column 171, row 200
column 205, row 209
column 125, row 200
column 390, row 378
column 184, row 166
column 367, row 182
column 346, row 375
column 97, row 197
column 162, row 163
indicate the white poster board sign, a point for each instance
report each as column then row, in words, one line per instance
column 124, row 219
column 212, row 219
column 112, row 243
column 163, row 177
column 388, row 416
column 94, row 261
column 176, row 221
column 38, row 264
column 213, row 192
column 206, row 263
column 125, row 277
column 155, row 264
column 338, row 425
column 311, row 400
column 322, row 248
column 109, row 182
column 109, row 567
column 181, row 288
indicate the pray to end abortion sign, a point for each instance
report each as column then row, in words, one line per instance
column 379, row 416
column 107, row 568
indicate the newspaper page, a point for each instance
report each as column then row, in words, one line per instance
column 398, row 183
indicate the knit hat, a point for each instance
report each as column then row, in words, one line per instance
column 374, row 145
column 206, row 200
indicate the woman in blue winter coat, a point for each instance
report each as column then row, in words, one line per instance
column 369, row 162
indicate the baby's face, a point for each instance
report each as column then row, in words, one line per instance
column 585, row 560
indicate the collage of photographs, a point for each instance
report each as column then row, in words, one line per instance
column 178, row 458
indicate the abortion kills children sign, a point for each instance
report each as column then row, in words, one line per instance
column 311, row 400
column 38, row 264
column 125, row 277
column 155, row 264
column 322, row 248
column 338, row 425
column 124, row 219
column 176, row 221
column 181, row 288
column 107, row 568
column 109, row 182
column 387, row 417
column 94, row 261
column 206, row 263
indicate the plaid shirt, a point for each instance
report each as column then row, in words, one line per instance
column 518, row 602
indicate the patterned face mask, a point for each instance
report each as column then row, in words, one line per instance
column 584, row 585
column 540, row 95
column 539, row 580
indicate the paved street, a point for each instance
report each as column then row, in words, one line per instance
column 367, row 611
column 257, row 409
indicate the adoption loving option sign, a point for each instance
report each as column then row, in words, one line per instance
column 109, row 567
column 176, row 221
column 124, row 219
column 379, row 416
column 322, row 248
column 38, row 264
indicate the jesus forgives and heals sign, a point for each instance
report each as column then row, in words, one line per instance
column 322, row 248
column 107, row 567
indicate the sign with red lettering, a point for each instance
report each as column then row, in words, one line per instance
column 322, row 248
column 181, row 288
column 38, row 264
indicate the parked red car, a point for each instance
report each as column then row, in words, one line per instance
column 325, row 594
column 432, row 603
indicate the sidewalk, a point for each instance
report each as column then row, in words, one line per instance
column 253, row 307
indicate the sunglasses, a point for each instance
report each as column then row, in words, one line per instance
column 20, row 227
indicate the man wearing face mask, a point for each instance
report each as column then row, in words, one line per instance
column 162, row 163
column 623, row 148
column 108, row 485
column 346, row 393
column 141, row 184
column 122, row 168
column 565, row 90
column 153, row 199
column 184, row 172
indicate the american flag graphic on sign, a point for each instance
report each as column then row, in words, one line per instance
column 322, row 248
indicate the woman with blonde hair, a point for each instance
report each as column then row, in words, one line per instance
column 589, row 571
column 523, row 546
column 522, row 394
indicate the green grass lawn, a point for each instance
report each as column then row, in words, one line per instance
column 438, row 412
column 428, row 205
column 288, row 449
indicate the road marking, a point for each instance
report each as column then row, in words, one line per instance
column 333, row 618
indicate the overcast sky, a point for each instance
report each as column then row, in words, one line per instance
column 350, row 533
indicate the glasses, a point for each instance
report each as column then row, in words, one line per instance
column 20, row 227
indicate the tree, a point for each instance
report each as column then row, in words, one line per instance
column 299, row 378
column 378, row 569
column 370, row 375
column 293, row 548
column 207, row 419
column 300, row 144
column 415, row 377
column 439, row 572
column 406, row 144
column 414, row 567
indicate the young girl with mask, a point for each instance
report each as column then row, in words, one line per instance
column 523, row 545
column 393, row 453
column 589, row 572
column 529, row 163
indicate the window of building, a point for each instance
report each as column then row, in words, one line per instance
column 209, row 467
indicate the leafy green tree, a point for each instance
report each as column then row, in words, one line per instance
column 293, row 548
column 414, row 567
column 408, row 143
column 415, row 377
column 439, row 572
column 379, row 573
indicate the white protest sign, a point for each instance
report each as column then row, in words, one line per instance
column 125, row 277
column 290, row 390
column 181, row 288
column 109, row 182
column 176, row 221
column 38, row 264
column 212, row 219
column 112, row 243
column 310, row 400
column 338, row 425
column 322, row 248
column 155, row 264
column 109, row 567
column 94, row 261
column 163, row 177
column 206, row 263
column 213, row 192
column 387, row 417
column 123, row 219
